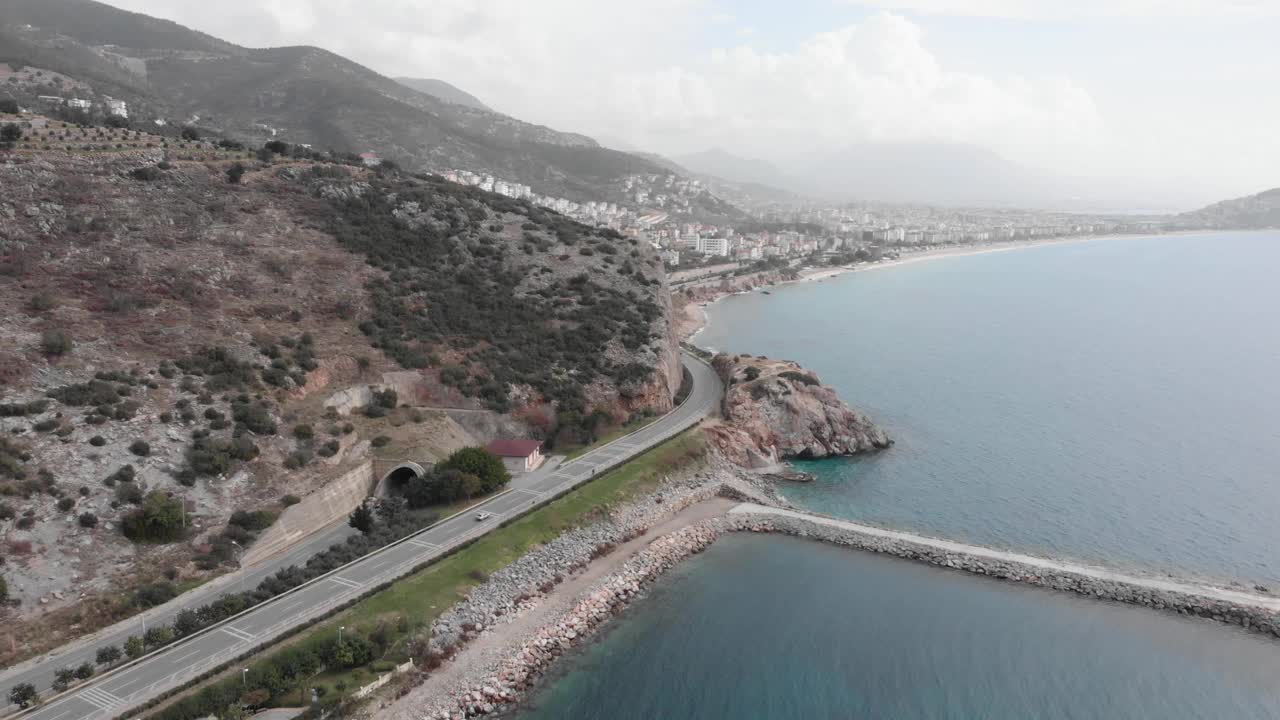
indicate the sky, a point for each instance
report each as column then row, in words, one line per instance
column 1157, row 93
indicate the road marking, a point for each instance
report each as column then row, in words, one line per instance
column 528, row 492
column 99, row 698
column 180, row 658
column 55, row 717
column 375, row 566
column 237, row 633
column 293, row 604
column 344, row 581
column 423, row 544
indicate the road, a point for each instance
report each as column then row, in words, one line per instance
column 133, row 684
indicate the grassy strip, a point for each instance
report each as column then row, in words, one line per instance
column 388, row 619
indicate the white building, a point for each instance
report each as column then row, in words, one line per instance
column 713, row 246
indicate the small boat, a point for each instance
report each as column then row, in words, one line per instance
column 766, row 292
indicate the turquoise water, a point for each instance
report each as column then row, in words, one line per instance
column 770, row 627
column 1113, row 402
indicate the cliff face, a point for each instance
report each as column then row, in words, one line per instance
column 777, row 410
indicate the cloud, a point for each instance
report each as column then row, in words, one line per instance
column 871, row 82
column 1078, row 9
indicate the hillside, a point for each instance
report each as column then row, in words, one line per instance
column 301, row 94
column 444, row 91
column 1254, row 211
column 175, row 316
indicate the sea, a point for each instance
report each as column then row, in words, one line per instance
column 1115, row 402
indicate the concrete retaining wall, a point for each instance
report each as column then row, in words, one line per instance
column 336, row 499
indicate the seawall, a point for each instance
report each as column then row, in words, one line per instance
column 336, row 499
column 1253, row 611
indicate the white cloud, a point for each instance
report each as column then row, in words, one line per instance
column 1076, row 9
column 875, row 81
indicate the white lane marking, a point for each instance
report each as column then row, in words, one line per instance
column 528, row 492
column 293, row 604
column 346, row 582
column 99, row 698
column 237, row 633
column 422, row 544
column 375, row 566
column 55, row 717
column 180, row 658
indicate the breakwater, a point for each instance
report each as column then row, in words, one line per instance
column 500, row 685
column 1256, row 611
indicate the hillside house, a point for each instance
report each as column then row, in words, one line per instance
column 518, row 455
column 370, row 159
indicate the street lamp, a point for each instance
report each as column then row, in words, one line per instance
column 340, row 629
column 244, row 677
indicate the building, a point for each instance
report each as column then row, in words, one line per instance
column 118, row 108
column 518, row 455
column 79, row 103
column 370, row 159
column 713, row 246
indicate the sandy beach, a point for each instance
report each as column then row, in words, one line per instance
column 694, row 316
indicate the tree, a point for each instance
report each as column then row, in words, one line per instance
column 10, row 133
column 24, row 695
column 160, row 519
column 190, row 133
column 4, row 590
column 108, row 654
column 187, row 622
column 362, row 519
column 133, row 647
column 486, row 466
column 62, row 678
column 9, row 105
column 85, row 671
column 277, row 147
column 235, row 173
column 88, row 520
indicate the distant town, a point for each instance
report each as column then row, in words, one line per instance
column 661, row 207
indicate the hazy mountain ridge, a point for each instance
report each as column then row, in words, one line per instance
column 1261, row 210
column 444, row 91
column 302, row 94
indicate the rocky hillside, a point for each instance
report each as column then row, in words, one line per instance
column 776, row 410
column 300, row 94
column 1255, row 211
column 176, row 316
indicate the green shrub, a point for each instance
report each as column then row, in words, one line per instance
column 140, row 448
column 161, row 519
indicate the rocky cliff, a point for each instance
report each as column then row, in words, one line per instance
column 775, row 410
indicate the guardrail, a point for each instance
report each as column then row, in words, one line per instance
column 122, row 705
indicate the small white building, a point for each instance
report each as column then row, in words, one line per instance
column 370, row 159
column 118, row 108
column 518, row 455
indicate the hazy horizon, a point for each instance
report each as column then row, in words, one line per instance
column 1137, row 95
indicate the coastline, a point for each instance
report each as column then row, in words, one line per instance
column 504, row 663
column 509, row 661
column 697, row 317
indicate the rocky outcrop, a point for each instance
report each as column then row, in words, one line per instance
column 775, row 410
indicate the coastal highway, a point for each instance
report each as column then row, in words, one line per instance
column 130, row 685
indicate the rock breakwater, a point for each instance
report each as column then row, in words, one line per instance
column 1259, row 613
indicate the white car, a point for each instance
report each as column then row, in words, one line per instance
column 482, row 516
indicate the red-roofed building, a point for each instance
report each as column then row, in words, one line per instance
column 518, row 455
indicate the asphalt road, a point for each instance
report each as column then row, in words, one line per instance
column 131, row 685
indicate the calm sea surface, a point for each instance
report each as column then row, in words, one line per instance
column 1112, row 402
column 781, row 628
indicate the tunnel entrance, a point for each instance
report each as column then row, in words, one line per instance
column 397, row 477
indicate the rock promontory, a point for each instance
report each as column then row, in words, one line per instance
column 776, row 410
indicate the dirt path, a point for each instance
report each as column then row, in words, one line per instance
column 473, row 663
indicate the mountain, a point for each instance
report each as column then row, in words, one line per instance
column 733, row 168
column 1254, row 211
column 444, row 91
column 300, row 94
column 184, row 310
